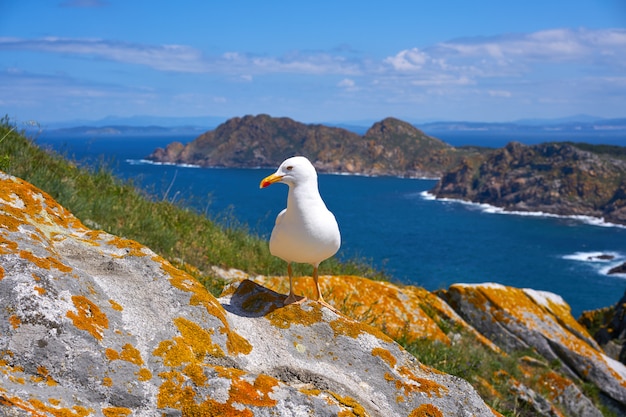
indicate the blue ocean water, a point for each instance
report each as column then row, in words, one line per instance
column 394, row 223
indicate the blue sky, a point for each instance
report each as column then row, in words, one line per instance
column 322, row 61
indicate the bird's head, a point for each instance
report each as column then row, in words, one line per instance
column 292, row 171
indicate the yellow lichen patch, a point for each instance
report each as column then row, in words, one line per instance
column 385, row 355
column 1, row 272
column 193, row 344
column 416, row 384
column 116, row 411
column 345, row 327
column 111, row 354
column 174, row 393
column 134, row 248
column 554, row 384
column 393, row 309
column 15, row 321
column 356, row 409
column 107, row 382
column 40, row 290
column 45, row 263
column 195, row 372
column 426, row 410
column 115, row 306
column 89, row 317
column 295, row 314
column 235, row 343
column 130, row 354
column 144, row 374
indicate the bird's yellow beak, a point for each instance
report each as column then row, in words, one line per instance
column 269, row 180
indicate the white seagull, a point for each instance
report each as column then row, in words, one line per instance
column 306, row 231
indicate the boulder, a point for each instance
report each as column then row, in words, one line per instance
column 95, row 324
column 523, row 318
column 620, row 269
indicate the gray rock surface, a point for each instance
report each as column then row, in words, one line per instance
column 94, row 324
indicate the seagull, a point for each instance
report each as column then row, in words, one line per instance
column 306, row 231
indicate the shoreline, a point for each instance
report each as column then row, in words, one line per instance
column 491, row 209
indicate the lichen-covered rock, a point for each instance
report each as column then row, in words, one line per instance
column 402, row 312
column 94, row 324
column 523, row 318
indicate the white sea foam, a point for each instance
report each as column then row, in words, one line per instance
column 594, row 259
column 148, row 162
column 488, row 208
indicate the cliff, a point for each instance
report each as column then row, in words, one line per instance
column 389, row 147
column 95, row 324
column 557, row 178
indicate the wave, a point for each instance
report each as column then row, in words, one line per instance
column 148, row 162
column 488, row 208
column 602, row 262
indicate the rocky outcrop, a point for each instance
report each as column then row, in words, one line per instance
column 523, row 318
column 609, row 328
column 503, row 319
column 389, row 147
column 555, row 178
column 94, row 324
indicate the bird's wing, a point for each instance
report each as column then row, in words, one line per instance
column 280, row 217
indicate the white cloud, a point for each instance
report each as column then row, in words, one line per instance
column 408, row 60
column 346, row 83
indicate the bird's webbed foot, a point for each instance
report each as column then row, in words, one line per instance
column 294, row 299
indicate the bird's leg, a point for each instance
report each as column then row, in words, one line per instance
column 319, row 292
column 292, row 298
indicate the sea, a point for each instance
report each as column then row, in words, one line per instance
column 394, row 224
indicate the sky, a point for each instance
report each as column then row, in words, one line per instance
column 338, row 61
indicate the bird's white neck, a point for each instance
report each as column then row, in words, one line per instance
column 304, row 195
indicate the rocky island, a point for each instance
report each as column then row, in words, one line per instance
column 389, row 147
column 557, row 178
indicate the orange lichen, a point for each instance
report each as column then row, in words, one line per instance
column 356, row 409
column 116, row 411
column 107, row 382
column 385, row 355
column 89, row 317
column 46, row 262
column 37, row 408
column 115, row 306
column 144, row 374
column 15, row 321
column 111, row 354
column 194, row 343
column 295, row 314
column 174, row 393
column 235, row 343
column 40, row 290
column 393, row 309
column 1, row 272
column 426, row 410
column 134, row 248
column 353, row 329
column 130, row 354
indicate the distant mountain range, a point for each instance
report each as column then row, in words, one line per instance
column 177, row 125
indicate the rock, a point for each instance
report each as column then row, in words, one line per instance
column 610, row 329
column 620, row 269
column 556, row 178
column 524, row 318
column 94, row 324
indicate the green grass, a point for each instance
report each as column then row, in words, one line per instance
column 181, row 235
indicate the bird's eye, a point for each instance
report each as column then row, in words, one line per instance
column 289, row 168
